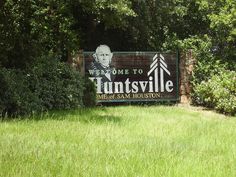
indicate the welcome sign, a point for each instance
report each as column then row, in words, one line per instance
column 132, row 76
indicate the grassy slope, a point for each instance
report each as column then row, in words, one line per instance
column 120, row 141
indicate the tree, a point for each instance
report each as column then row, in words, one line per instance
column 222, row 17
column 31, row 28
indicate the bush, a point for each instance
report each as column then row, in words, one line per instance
column 89, row 98
column 47, row 85
column 56, row 84
column 219, row 92
column 212, row 79
column 16, row 97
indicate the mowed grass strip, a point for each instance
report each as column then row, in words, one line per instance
column 120, row 141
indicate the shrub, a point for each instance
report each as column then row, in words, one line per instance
column 89, row 97
column 56, row 84
column 16, row 97
column 212, row 79
column 219, row 92
column 47, row 85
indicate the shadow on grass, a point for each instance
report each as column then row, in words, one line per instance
column 140, row 103
column 84, row 115
column 87, row 115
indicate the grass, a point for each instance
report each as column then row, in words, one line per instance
column 122, row 141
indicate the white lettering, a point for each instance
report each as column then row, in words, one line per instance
column 135, row 87
column 108, row 87
column 143, row 85
column 169, row 86
column 150, row 84
column 135, row 71
column 119, row 88
column 140, row 71
column 127, row 82
column 162, row 80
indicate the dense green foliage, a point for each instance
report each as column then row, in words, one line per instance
column 89, row 93
column 213, row 78
column 32, row 29
column 16, row 96
column 56, row 83
column 47, row 85
column 218, row 92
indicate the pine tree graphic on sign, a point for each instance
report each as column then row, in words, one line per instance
column 159, row 64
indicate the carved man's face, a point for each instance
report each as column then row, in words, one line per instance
column 104, row 56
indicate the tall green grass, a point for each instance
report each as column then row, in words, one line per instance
column 120, row 141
